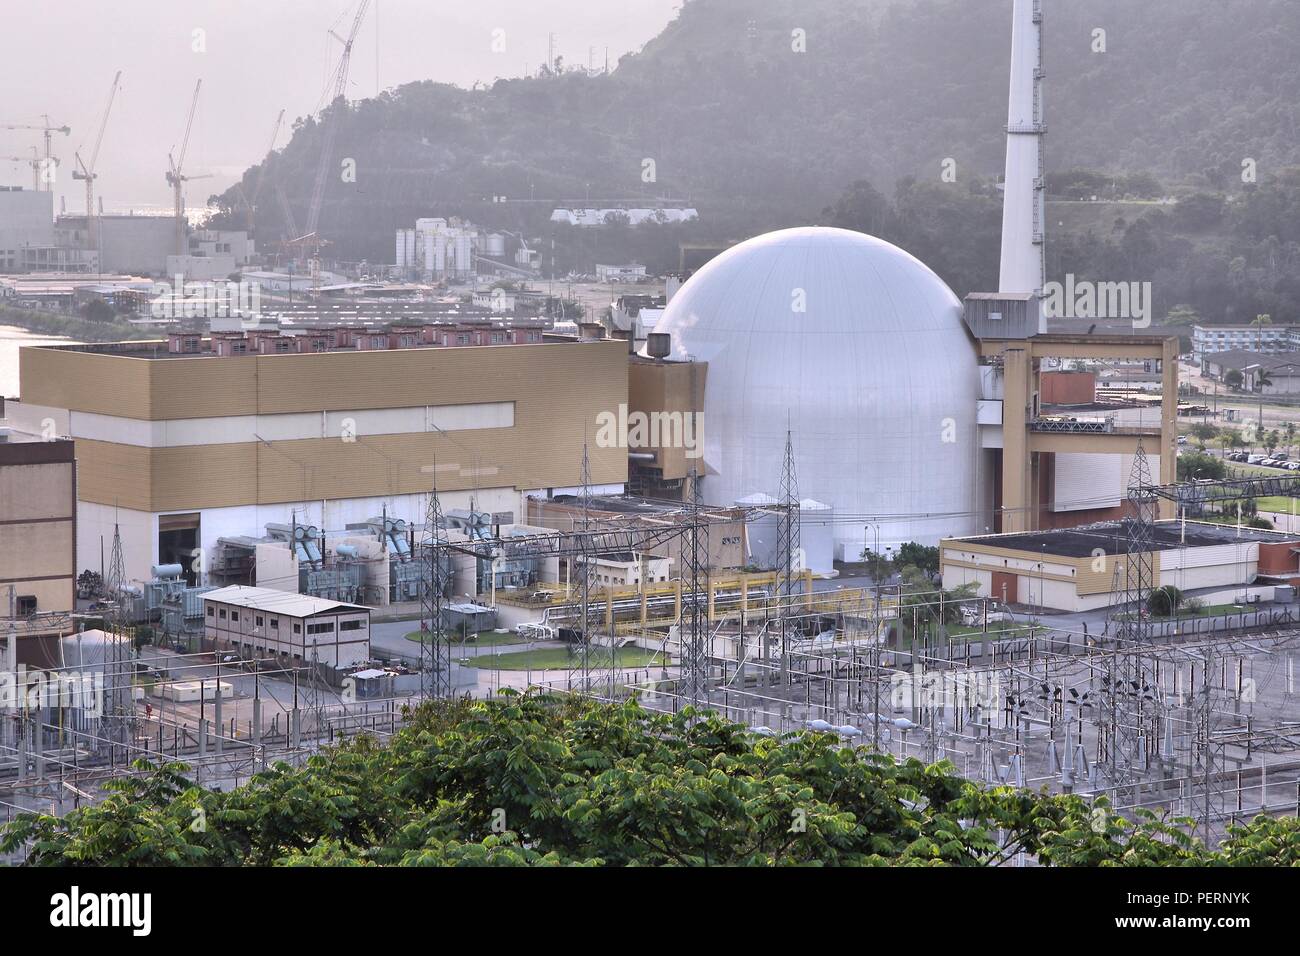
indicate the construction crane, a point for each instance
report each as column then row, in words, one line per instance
column 87, row 172
column 33, row 161
column 176, row 177
column 330, row 119
column 261, row 171
column 50, row 160
column 246, row 202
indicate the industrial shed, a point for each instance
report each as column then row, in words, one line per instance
column 296, row 628
column 1074, row 569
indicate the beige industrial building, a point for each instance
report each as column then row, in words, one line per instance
column 181, row 448
column 1075, row 569
column 38, row 522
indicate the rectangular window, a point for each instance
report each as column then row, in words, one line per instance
column 209, row 612
column 234, row 615
column 297, row 628
column 258, row 618
column 326, row 627
column 350, row 625
column 275, row 623
column 222, row 614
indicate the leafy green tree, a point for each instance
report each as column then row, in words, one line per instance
column 920, row 556
column 1165, row 600
column 1196, row 465
column 1204, row 433
column 527, row 780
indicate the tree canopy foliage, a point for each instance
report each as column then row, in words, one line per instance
column 532, row 781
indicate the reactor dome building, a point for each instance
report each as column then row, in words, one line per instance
column 858, row 351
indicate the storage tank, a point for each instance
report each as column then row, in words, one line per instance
column 817, row 535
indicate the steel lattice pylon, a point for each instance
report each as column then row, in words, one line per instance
column 789, row 551
column 118, row 705
column 435, row 646
column 1128, row 691
column 587, row 560
column 693, row 625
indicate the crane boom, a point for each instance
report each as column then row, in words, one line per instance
column 330, row 120
column 87, row 171
column 103, row 123
column 189, row 124
column 261, row 173
column 176, row 177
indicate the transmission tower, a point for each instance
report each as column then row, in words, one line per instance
column 592, row 665
column 694, row 627
column 435, row 646
column 789, row 552
column 117, row 702
column 1129, row 692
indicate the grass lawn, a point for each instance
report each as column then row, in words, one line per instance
column 1237, row 469
column 482, row 639
column 998, row 631
column 1278, row 503
column 1212, row 610
column 559, row 658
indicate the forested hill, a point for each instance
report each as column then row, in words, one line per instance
column 758, row 135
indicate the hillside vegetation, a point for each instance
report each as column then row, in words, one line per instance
column 759, row 136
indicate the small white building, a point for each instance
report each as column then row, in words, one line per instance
column 294, row 627
column 629, row 569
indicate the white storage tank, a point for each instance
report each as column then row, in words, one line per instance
column 817, row 535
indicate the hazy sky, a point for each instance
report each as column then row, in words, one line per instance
column 261, row 56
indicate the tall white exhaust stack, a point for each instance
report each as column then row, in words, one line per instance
column 1023, row 207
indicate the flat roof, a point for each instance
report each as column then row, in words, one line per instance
column 278, row 602
column 1110, row 537
column 157, row 350
column 1242, row 359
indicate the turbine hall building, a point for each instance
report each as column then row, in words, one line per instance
column 181, row 447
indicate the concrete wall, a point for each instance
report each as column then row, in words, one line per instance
column 136, row 245
column 26, row 220
column 37, row 519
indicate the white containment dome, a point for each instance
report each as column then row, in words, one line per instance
column 861, row 350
